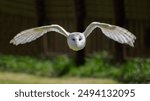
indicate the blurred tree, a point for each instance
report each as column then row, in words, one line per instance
column 41, row 14
column 120, row 21
column 80, row 14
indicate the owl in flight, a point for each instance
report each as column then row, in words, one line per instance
column 76, row 40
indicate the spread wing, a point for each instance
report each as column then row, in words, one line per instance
column 34, row 33
column 116, row 33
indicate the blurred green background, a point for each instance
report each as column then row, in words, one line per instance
column 49, row 60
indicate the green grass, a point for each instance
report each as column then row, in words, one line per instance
column 20, row 78
column 98, row 65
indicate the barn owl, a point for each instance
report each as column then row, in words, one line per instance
column 76, row 40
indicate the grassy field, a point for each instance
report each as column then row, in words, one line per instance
column 19, row 78
column 97, row 69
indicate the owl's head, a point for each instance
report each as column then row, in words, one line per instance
column 76, row 41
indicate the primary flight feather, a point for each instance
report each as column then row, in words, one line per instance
column 76, row 40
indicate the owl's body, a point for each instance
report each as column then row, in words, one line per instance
column 77, row 40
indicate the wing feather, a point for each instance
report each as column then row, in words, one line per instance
column 116, row 33
column 34, row 33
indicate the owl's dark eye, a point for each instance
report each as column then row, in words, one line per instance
column 73, row 39
column 80, row 39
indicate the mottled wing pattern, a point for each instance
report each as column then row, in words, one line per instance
column 34, row 33
column 116, row 33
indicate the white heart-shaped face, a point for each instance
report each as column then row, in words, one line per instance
column 76, row 41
